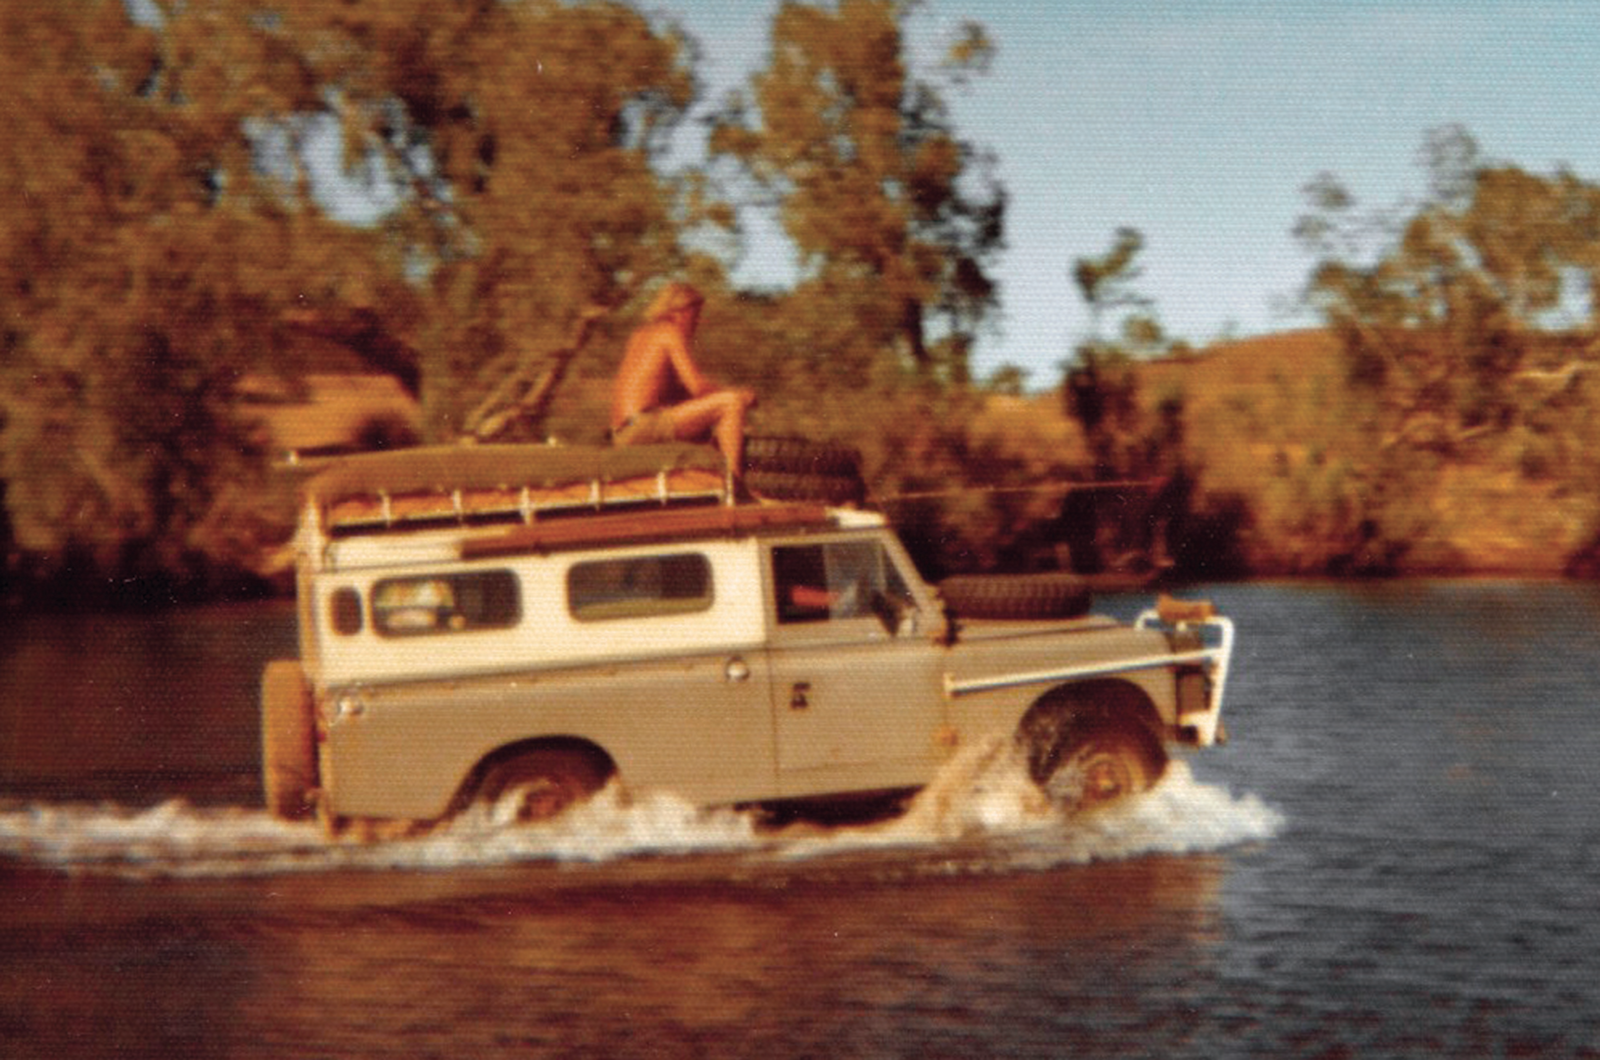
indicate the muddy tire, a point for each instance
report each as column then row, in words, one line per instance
column 1016, row 596
column 801, row 456
column 1106, row 763
column 1091, row 744
column 288, row 741
column 545, row 782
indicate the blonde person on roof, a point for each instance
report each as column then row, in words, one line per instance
column 660, row 393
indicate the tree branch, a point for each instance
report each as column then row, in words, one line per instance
column 521, row 396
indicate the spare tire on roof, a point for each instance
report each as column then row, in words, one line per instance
column 801, row 456
column 833, row 490
column 1050, row 594
column 800, row 469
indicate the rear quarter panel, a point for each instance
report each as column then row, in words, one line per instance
column 678, row 723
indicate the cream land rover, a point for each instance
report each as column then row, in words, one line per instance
column 527, row 623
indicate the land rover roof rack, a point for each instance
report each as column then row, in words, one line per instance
column 646, row 526
column 409, row 488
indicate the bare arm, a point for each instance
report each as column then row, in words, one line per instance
column 677, row 348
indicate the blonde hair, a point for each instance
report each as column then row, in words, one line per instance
column 672, row 298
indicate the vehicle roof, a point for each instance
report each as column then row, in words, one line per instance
column 446, row 469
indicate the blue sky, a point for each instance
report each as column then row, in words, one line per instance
column 1199, row 123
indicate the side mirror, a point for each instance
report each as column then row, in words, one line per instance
column 898, row 615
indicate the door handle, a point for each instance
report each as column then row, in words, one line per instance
column 737, row 670
column 798, row 697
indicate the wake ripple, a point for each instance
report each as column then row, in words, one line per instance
column 983, row 795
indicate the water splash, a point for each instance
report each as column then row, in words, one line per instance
column 983, row 795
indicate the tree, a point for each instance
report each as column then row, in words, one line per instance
column 1100, row 390
column 1104, row 282
column 142, row 264
column 523, row 137
column 169, row 232
column 896, row 219
column 1100, row 387
column 1444, row 306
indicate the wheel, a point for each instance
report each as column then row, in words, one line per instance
column 833, row 490
column 288, row 744
column 1091, row 743
column 801, row 456
column 546, row 783
column 1103, row 764
column 1016, row 596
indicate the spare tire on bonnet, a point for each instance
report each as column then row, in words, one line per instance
column 1051, row 594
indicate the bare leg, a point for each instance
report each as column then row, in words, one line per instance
column 720, row 415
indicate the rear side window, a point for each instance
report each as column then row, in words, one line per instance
column 446, row 603
column 639, row 587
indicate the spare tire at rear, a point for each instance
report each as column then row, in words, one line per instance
column 1016, row 596
column 288, row 741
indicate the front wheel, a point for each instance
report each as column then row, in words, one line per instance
column 542, row 784
column 1106, row 763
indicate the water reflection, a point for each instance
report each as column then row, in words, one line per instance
column 136, row 707
column 812, row 963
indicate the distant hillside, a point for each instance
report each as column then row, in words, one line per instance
column 1270, row 421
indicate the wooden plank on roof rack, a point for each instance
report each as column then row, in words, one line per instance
column 640, row 527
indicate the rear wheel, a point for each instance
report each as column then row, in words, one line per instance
column 543, row 783
column 288, row 745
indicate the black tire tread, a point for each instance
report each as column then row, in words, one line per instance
column 1050, row 594
column 801, row 456
column 836, row 490
column 288, row 745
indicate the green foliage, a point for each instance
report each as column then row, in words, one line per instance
column 162, row 240
column 895, row 218
column 141, row 269
column 1440, row 309
column 1464, row 323
column 1100, row 389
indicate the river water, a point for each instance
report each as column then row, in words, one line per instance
column 1398, row 854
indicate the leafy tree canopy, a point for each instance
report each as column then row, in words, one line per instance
column 1443, row 306
column 162, row 236
column 896, row 219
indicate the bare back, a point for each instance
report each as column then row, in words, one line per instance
column 656, row 370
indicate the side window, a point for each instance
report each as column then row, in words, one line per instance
column 446, row 603
column 639, row 587
column 840, row 579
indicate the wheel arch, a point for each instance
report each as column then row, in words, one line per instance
column 1053, row 719
column 584, row 749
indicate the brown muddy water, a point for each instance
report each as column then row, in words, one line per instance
column 1397, row 855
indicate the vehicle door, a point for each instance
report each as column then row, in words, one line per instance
column 855, row 671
